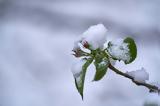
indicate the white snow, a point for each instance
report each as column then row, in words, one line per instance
column 95, row 36
column 76, row 45
column 119, row 50
column 104, row 62
column 113, row 62
column 139, row 75
column 77, row 68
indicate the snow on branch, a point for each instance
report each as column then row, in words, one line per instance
column 90, row 49
column 152, row 88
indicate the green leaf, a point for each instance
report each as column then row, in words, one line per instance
column 101, row 63
column 132, row 49
column 123, row 49
column 79, row 81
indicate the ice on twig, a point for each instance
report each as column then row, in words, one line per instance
column 139, row 75
column 157, row 85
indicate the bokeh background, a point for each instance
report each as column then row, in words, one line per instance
column 36, row 39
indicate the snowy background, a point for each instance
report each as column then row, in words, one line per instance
column 36, row 39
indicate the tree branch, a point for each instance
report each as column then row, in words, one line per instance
column 152, row 88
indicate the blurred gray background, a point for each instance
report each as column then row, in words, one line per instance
column 36, row 39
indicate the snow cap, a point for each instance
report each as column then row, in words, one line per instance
column 77, row 68
column 139, row 75
column 95, row 36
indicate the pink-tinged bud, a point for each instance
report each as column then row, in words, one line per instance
column 77, row 53
column 85, row 44
column 77, row 49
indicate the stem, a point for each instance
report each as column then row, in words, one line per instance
column 152, row 88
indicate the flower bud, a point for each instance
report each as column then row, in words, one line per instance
column 85, row 44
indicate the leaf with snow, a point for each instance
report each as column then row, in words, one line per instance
column 101, row 63
column 79, row 72
column 132, row 49
column 123, row 49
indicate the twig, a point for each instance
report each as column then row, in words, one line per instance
column 152, row 88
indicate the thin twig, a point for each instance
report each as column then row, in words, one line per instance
column 152, row 88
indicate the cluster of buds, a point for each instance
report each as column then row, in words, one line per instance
column 78, row 52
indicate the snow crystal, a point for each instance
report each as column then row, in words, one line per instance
column 139, row 75
column 119, row 50
column 95, row 36
column 77, row 68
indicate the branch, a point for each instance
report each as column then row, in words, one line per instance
column 152, row 88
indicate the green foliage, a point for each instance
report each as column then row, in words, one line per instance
column 101, row 58
column 132, row 49
column 101, row 63
column 129, row 54
column 79, row 81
